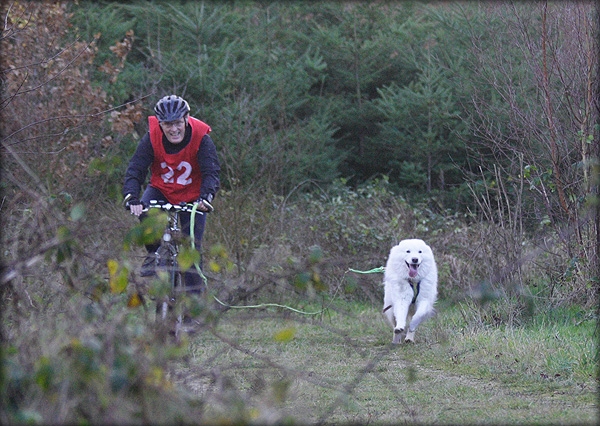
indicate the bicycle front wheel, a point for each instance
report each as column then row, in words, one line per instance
column 168, row 316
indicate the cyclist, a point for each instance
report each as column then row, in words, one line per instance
column 184, row 167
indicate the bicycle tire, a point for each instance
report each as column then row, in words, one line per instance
column 169, row 299
column 166, row 313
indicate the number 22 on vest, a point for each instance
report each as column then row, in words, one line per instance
column 183, row 178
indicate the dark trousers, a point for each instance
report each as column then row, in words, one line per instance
column 193, row 281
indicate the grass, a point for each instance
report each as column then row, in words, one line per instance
column 340, row 368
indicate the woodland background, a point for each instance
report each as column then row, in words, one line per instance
column 342, row 127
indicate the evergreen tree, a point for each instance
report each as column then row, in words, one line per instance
column 419, row 141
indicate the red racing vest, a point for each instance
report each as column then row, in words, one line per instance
column 177, row 176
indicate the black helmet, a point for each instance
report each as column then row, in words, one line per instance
column 171, row 108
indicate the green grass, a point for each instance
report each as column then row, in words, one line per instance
column 341, row 368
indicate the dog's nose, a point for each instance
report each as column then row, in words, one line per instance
column 415, row 260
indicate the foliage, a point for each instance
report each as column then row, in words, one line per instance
column 421, row 127
column 53, row 113
column 50, row 113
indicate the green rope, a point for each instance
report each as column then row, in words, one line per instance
column 192, row 225
column 267, row 305
column 381, row 269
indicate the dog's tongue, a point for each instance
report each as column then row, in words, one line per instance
column 412, row 270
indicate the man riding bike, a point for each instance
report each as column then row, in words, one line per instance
column 184, row 167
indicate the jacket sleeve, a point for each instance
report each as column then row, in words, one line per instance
column 137, row 170
column 209, row 167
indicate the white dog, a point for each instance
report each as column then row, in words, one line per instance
column 410, row 282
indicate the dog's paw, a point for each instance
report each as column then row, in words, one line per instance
column 397, row 335
column 410, row 337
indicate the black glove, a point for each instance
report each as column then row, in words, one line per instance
column 130, row 200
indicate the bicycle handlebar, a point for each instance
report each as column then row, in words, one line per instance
column 183, row 207
column 164, row 205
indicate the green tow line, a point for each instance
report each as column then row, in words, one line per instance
column 192, row 224
column 381, row 269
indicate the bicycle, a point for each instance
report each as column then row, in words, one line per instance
column 166, row 260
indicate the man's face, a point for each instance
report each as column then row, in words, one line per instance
column 174, row 130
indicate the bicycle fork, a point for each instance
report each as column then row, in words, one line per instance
column 166, row 258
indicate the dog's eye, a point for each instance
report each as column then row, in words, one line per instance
column 420, row 251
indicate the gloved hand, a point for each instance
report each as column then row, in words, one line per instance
column 134, row 205
column 204, row 203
